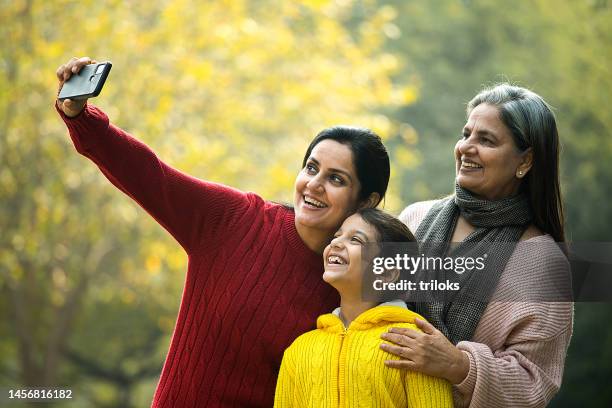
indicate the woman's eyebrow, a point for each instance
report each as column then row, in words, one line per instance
column 486, row 132
column 480, row 132
column 348, row 176
column 333, row 170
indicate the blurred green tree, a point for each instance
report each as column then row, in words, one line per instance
column 228, row 90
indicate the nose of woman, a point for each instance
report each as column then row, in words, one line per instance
column 466, row 146
column 315, row 184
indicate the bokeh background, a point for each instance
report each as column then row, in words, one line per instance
column 233, row 91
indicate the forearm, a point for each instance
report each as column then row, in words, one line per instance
column 459, row 369
column 526, row 375
column 180, row 203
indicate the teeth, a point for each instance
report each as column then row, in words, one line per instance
column 472, row 165
column 333, row 259
column 314, row 202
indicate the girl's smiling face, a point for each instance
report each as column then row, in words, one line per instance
column 343, row 256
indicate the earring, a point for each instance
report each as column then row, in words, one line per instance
column 520, row 172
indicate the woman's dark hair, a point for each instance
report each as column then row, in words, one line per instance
column 532, row 125
column 369, row 156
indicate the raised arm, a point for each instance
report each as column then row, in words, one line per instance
column 190, row 209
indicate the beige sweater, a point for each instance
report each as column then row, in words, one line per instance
column 518, row 350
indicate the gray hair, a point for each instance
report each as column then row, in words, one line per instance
column 533, row 126
column 524, row 112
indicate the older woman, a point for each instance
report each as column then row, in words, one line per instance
column 510, row 353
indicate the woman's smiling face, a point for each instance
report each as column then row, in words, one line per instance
column 488, row 162
column 327, row 188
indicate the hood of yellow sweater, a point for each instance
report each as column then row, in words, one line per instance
column 377, row 316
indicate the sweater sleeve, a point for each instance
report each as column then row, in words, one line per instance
column 424, row 391
column 413, row 214
column 189, row 208
column 527, row 370
column 285, row 385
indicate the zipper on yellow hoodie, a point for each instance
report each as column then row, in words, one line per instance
column 342, row 369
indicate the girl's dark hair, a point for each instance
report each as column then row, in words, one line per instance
column 369, row 156
column 532, row 125
column 389, row 228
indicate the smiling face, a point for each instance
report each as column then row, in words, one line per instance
column 488, row 163
column 327, row 188
column 343, row 256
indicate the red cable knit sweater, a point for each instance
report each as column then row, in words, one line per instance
column 252, row 285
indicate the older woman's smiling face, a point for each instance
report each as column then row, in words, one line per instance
column 488, row 162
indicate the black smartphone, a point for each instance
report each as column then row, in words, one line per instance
column 87, row 83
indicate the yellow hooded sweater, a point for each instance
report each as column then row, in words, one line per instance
column 337, row 367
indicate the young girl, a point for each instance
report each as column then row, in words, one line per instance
column 340, row 363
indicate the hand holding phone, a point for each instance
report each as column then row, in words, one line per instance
column 80, row 79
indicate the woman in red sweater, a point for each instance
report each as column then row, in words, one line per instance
column 254, row 275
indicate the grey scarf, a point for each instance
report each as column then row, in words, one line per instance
column 502, row 221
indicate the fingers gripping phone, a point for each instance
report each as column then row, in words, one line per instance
column 87, row 83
